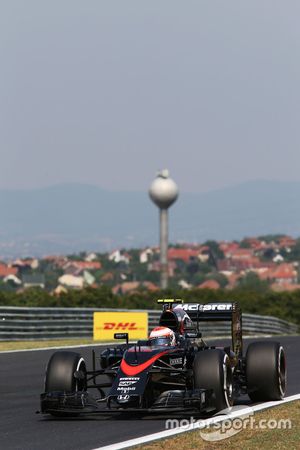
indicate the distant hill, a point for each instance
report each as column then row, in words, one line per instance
column 73, row 217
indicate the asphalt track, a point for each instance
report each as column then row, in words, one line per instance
column 21, row 382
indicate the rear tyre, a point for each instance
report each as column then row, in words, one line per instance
column 212, row 371
column 60, row 373
column 265, row 371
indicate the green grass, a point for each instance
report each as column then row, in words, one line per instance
column 247, row 439
column 20, row 345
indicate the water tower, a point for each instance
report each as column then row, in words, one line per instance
column 163, row 192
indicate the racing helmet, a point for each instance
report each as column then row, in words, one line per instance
column 162, row 336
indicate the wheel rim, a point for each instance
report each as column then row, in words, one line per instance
column 80, row 384
column 228, row 387
column 281, row 372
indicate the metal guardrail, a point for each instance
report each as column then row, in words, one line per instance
column 22, row 323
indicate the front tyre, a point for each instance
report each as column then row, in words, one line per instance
column 212, row 370
column 265, row 371
column 66, row 371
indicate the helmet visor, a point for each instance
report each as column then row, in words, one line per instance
column 165, row 340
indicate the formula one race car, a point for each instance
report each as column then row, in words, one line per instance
column 178, row 375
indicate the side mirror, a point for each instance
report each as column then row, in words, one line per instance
column 121, row 336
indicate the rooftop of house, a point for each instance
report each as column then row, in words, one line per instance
column 287, row 241
column 239, row 253
column 82, row 265
column 132, row 286
column 108, row 276
column 184, row 254
column 284, row 270
column 281, row 271
column 209, row 284
column 6, row 270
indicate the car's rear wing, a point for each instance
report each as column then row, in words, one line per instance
column 209, row 311
column 228, row 312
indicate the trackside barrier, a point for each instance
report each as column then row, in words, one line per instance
column 22, row 323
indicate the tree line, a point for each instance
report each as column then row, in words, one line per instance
column 284, row 305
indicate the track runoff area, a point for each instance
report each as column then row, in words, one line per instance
column 240, row 413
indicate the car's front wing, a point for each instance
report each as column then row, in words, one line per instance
column 77, row 403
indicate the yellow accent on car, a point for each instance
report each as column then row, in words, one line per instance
column 169, row 300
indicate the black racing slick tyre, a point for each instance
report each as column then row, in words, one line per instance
column 212, row 371
column 265, row 371
column 66, row 371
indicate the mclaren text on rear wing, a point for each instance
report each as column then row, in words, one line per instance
column 210, row 311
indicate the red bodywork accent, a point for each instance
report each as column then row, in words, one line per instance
column 134, row 370
column 141, row 349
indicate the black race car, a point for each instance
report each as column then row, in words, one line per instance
column 189, row 377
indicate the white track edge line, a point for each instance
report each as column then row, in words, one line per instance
column 194, row 426
column 213, row 338
column 58, row 347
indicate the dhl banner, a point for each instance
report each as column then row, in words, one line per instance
column 106, row 324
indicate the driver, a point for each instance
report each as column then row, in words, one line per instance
column 162, row 336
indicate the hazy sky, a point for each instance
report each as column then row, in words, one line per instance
column 107, row 92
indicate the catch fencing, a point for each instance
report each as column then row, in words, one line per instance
column 22, row 323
